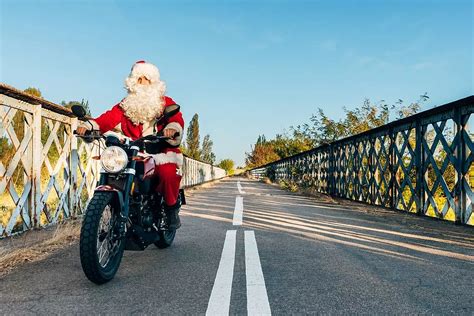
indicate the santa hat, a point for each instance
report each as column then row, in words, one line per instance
column 142, row 68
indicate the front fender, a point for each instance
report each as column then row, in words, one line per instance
column 118, row 195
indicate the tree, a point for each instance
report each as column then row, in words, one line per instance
column 33, row 91
column 408, row 110
column 323, row 129
column 83, row 103
column 6, row 150
column 369, row 115
column 206, row 152
column 361, row 119
column 227, row 165
column 262, row 153
column 192, row 138
column 286, row 145
column 191, row 146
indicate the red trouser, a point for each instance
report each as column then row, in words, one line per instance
column 168, row 182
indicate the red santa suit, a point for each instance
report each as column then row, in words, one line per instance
column 170, row 160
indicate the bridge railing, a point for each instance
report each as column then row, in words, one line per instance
column 421, row 164
column 46, row 173
column 197, row 172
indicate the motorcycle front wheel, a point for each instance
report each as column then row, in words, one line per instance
column 100, row 252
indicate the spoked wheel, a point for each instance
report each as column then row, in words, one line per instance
column 166, row 238
column 101, row 252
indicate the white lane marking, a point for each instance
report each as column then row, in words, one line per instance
column 219, row 302
column 257, row 299
column 239, row 186
column 238, row 211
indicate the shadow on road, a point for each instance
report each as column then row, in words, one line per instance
column 378, row 231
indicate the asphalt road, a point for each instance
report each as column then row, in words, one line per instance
column 290, row 255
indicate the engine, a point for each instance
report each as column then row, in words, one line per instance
column 141, row 211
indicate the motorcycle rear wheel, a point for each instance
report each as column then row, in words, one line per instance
column 166, row 238
column 100, row 253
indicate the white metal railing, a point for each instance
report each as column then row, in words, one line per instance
column 196, row 172
column 46, row 173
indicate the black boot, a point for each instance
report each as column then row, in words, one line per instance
column 172, row 216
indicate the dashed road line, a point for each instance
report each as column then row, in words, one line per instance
column 257, row 298
column 239, row 187
column 219, row 302
column 238, row 211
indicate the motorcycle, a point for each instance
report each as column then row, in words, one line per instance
column 125, row 212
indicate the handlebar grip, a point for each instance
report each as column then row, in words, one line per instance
column 87, row 133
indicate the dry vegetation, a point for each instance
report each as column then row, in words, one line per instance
column 34, row 246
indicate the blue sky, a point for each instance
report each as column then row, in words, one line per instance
column 246, row 67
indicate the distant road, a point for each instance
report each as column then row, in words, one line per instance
column 248, row 247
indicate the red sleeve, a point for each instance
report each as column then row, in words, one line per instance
column 178, row 117
column 111, row 118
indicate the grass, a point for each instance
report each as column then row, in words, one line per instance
column 7, row 206
column 63, row 235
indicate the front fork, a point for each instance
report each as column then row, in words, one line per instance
column 123, row 197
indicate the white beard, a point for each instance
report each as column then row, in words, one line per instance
column 144, row 102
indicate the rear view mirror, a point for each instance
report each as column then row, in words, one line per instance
column 78, row 111
column 170, row 110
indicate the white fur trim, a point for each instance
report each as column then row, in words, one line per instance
column 169, row 157
column 146, row 69
column 179, row 129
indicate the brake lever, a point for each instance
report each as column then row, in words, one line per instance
column 89, row 135
column 155, row 141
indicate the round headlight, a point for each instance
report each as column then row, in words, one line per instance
column 114, row 159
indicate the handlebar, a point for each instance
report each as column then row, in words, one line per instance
column 154, row 138
column 87, row 133
column 176, row 134
column 94, row 134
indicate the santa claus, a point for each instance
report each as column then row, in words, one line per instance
column 135, row 116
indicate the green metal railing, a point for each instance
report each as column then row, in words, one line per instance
column 421, row 164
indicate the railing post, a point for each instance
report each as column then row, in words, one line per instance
column 391, row 169
column 460, row 156
column 36, row 167
column 372, row 168
column 355, row 167
column 465, row 166
column 331, row 177
column 419, row 162
column 73, row 165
